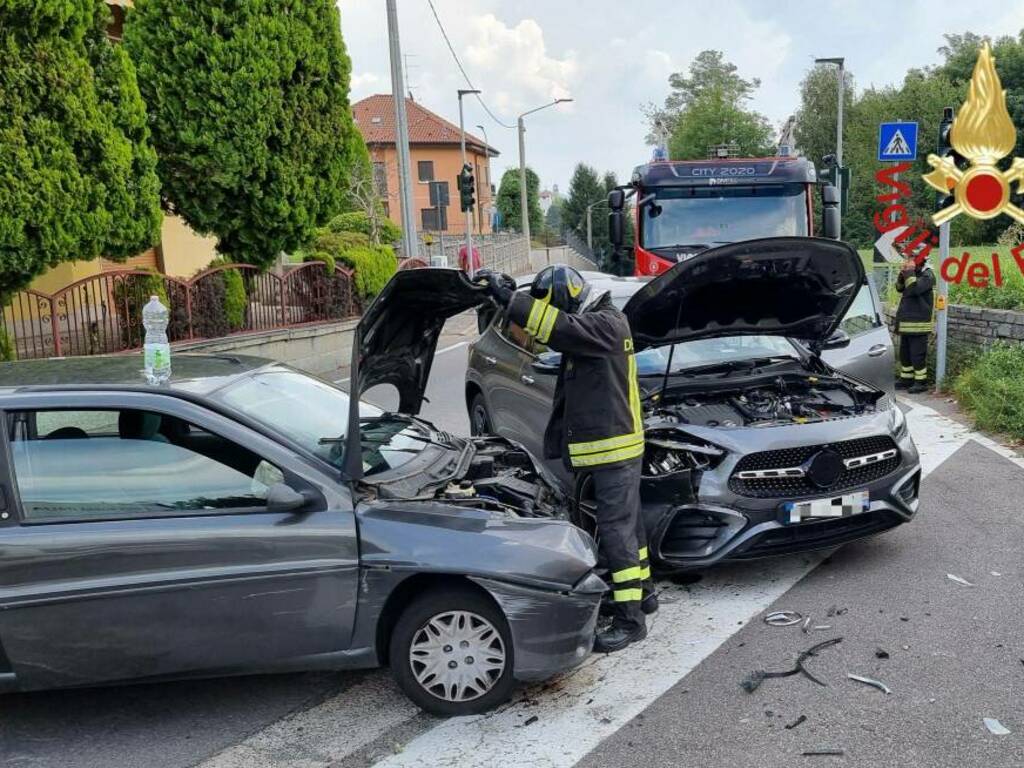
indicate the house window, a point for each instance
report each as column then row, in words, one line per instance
column 425, row 168
column 380, row 179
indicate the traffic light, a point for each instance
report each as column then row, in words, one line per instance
column 467, row 187
column 947, row 156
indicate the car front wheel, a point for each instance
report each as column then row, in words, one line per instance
column 451, row 653
column 479, row 418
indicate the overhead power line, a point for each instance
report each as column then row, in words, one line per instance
column 462, row 69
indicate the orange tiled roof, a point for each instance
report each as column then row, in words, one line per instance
column 375, row 117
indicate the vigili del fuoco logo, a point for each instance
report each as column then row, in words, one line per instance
column 984, row 134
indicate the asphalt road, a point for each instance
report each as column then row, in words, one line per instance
column 955, row 656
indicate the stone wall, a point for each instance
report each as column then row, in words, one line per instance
column 319, row 349
column 979, row 326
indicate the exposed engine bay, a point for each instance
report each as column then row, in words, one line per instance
column 489, row 473
column 787, row 399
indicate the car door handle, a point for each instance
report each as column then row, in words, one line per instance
column 490, row 360
column 876, row 350
column 527, row 379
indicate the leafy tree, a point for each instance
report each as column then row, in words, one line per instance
column 815, row 130
column 707, row 108
column 250, row 116
column 510, row 205
column 553, row 219
column 77, row 179
column 585, row 187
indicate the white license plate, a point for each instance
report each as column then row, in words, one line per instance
column 837, row 506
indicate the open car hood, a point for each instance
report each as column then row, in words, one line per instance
column 799, row 287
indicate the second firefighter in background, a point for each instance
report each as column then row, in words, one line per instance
column 596, row 426
column 914, row 323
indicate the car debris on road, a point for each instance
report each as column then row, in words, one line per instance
column 995, row 727
column 869, row 681
column 753, row 681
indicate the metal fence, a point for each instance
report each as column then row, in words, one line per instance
column 506, row 252
column 103, row 313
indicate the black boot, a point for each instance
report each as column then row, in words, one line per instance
column 902, row 383
column 618, row 636
column 650, row 602
column 918, row 387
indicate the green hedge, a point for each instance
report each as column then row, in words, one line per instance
column 357, row 221
column 373, row 264
column 992, row 389
column 236, row 299
column 6, row 346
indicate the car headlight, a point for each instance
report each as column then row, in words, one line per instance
column 897, row 421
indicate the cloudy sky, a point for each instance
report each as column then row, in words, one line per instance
column 612, row 56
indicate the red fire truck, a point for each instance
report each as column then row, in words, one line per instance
column 685, row 207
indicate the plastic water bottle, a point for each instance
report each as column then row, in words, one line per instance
column 156, row 349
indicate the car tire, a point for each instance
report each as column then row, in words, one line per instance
column 417, row 641
column 479, row 416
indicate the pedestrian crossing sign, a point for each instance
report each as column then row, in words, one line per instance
column 897, row 141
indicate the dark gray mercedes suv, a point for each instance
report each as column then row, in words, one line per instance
column 755, row 444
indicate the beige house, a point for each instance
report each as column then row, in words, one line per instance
column 435, row 153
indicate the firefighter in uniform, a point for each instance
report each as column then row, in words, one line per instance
column 596, row 425
column 914, row 319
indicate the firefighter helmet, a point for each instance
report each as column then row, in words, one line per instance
column 561, row 286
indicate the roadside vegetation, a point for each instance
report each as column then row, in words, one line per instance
column 991, row 389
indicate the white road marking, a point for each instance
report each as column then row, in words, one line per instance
column 439, row 352
column 579, row 710
column 325, row 733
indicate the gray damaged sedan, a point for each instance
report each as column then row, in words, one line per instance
column 756, row 445
column 250, row 518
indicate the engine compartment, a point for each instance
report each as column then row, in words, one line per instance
column 786, row 399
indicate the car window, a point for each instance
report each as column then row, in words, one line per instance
column 92, row 465
column 862, row 316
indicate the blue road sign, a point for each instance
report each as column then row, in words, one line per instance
column 897, row 141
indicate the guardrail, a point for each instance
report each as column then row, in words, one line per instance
column 103, row 313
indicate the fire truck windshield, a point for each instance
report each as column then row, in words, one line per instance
column 694, row 218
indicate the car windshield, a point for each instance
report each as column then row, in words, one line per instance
column 708, row 352
column 314, row 414
column 703, row 217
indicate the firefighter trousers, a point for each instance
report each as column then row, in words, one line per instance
column 914, row 357
column 622, row 539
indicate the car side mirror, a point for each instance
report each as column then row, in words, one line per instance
column 830, row 212
column 284, row 498
column 547, row 362
column 837, row 340
column 616, row 223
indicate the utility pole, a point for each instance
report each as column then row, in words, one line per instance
column 590, row 226
column 469, row 211
column 941, row 314
column 405, row 198
column 524, row 213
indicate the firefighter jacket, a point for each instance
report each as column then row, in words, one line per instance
column 596, row 420
column 917, row 304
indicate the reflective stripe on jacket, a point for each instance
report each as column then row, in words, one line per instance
column 596, row 418
column 916, row 313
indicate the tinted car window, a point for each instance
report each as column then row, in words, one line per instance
column 861, row 316
column 80, row 465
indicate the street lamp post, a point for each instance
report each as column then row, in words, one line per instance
column 469, row 211
column 487, row 159
column 524, row 213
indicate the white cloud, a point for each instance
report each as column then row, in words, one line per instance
column 367, row 81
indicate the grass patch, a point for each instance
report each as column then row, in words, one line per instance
column 992, row 390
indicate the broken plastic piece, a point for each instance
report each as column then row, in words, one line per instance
column 995, row 727
column 753, row 681
column 881, row 654
column 820, row 627
column 795, row 723
column 807, row 623
column 958, row 580
column 531, row 720
column 783, row 618
column 823, row 752
column 868, row 681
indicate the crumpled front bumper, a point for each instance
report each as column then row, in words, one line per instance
column 552, row 631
